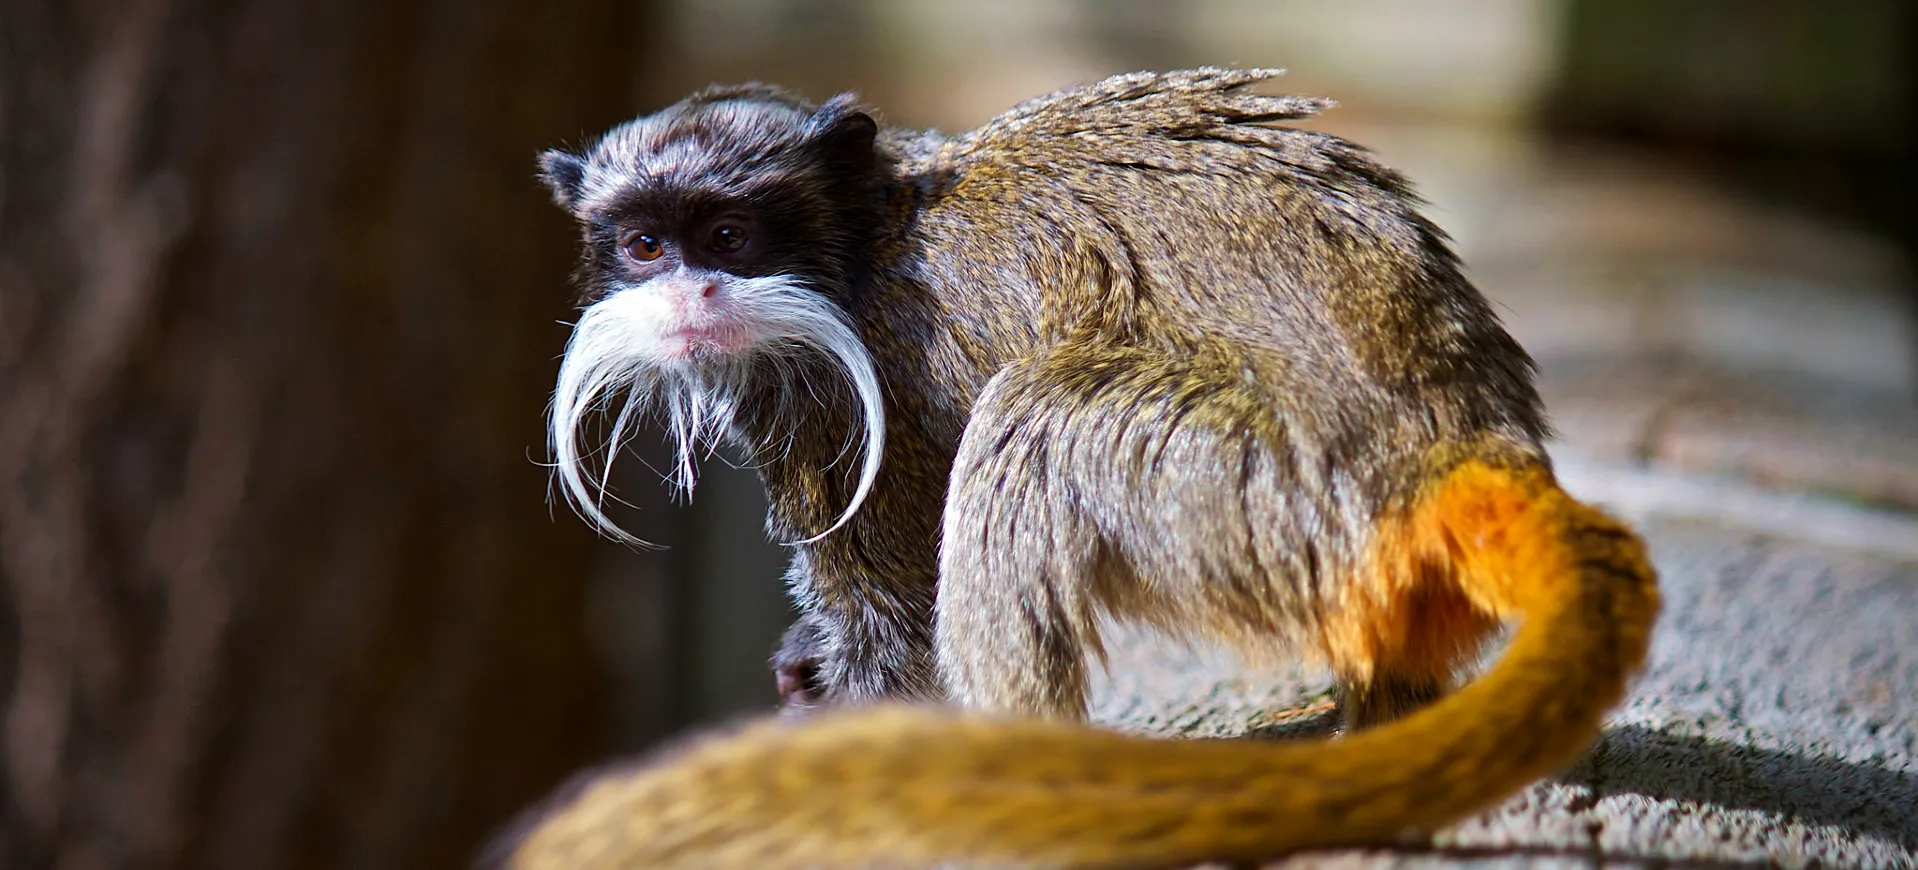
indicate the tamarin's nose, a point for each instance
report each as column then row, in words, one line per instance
column 690, row 298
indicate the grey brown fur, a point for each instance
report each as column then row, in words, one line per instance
column 1144, row 355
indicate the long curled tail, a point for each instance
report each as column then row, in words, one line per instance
column 904, row 788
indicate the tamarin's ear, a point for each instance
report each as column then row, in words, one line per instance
column 565, row 175
column 841, row 129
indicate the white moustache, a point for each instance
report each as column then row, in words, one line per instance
column 619, row 345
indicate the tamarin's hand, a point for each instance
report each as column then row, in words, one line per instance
column 796, row 664
column 1131, row 352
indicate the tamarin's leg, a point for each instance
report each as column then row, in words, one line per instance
column 1095, row 481
column 1013, row 625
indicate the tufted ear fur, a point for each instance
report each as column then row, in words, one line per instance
column 843, row 132
column 565, row 176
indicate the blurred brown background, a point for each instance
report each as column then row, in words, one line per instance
column 280, row 301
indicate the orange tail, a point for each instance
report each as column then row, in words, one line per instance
column 900, row 788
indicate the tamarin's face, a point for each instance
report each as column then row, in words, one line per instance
column 717, row 240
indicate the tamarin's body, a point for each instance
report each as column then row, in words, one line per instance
column 1126, row 351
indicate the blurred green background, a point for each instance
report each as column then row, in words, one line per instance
column 280, row 301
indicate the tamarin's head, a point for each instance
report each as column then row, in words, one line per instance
column 720, row 238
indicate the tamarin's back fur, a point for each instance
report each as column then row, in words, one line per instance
column 1147, row 358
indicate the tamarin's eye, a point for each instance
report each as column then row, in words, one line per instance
column 728, row 238
column 643, row 247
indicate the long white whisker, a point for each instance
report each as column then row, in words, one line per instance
column 832, row 335
column 616, row 438
column 590, row 367
column 615, row 345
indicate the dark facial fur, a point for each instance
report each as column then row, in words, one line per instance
column 716, row 277
column 1159, row 334
column 804, row 172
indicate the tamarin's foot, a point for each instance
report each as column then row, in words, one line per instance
column 1384, row 699
column 796, row 666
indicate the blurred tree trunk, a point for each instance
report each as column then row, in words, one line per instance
column 278, row 297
